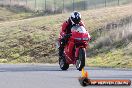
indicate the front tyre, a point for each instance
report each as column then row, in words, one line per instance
column 63, row 64
column 80, row 63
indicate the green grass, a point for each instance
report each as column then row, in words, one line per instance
column 33, row 40
column 116, row 58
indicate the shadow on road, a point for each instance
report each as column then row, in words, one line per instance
column 34, row 68
column 29, row 69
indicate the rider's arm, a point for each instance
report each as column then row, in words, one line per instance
column 82, row 24
column 63, row 29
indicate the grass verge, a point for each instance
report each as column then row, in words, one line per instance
column 32, row 40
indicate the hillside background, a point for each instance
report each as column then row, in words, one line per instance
column 28, row 36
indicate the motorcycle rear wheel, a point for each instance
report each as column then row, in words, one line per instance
column 80, row 63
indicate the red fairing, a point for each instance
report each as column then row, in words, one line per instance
column 76, row 52
column 69, row 53
column 79, row 39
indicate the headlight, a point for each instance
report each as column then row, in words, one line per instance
column 78, row 38
column 85, row 38
column 82, row 39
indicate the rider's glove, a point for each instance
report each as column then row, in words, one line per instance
column 67, row 36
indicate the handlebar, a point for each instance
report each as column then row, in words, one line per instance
column 67, row 35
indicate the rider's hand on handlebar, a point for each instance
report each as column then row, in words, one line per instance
column 68, row 35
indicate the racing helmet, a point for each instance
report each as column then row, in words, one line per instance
column 75, row 17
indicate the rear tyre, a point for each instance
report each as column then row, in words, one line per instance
column 80, row 63
column 63, row 64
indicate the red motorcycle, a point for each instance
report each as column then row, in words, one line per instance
column 75, row 49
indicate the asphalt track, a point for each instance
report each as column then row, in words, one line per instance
column 51, row 76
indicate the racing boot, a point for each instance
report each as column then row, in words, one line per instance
column 61, row 49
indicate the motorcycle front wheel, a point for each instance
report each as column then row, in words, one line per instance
column 80, row 63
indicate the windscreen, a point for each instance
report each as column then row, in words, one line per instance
column 79, row 29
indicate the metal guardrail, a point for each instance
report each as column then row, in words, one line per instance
column 60, row 6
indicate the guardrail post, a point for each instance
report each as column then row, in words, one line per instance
column 35, row 5
column 45, row 5
column 63, row 7
column 118, row 2
column 54, row 7
column 84, row 4
column 10, row 4
column 73, row 5
column 26, row 3
column 105, row 3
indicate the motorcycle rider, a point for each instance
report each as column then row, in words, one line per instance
column 74, row 19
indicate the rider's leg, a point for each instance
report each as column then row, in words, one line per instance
column 63, row 42
column 61, row 48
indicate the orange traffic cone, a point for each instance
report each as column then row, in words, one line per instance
column 84, row 74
